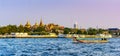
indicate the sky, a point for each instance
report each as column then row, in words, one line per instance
column 87, row 13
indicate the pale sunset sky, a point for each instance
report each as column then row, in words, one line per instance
column 88, row 13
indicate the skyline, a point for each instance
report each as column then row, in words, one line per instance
column 100, row 13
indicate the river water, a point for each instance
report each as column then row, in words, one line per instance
column 57, row 47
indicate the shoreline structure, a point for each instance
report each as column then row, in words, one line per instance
column 52, row 35
column 25, row 35
column 28, row 36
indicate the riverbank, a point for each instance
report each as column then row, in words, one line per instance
column 89, row 36
column 56, row 36
column 28, row 36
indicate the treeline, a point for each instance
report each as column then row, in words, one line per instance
column 40, row 30
column 46, row 30
column 89, row 31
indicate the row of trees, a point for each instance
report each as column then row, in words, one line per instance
column 90, row 31
column 42, row 30
column 38, row 30
column 13, row 28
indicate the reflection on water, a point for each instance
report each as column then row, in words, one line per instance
column 57, row 47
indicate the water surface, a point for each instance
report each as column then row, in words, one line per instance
column 57, row 47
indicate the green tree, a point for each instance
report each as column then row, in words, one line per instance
column 100, row 31
column 27, row 29
column 92, row 31
column 4, row 30
column 8, row 29
column 74, row 31
column 21, row 28
column 79, row 32
column 67, row 30
column 11, row 28
column 39, row 29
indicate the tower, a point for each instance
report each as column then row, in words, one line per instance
column 41, row 23
column 75, row 25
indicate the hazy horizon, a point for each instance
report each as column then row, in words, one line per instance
column 88, row 13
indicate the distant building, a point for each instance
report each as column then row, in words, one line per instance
column 51, row 27
column 35, row 26
column 76, row 25
column 19, row 34
column 114, row 31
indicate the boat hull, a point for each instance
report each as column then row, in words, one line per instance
column 90, row 40
column 93, row 41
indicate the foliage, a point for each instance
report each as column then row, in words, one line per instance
column 67, row 30
column 39, row 29
column 50, row 28
column 21, row 28
column 81, row 31
column 92, row 31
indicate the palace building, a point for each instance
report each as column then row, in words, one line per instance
column 48, row 27
column 35, row 26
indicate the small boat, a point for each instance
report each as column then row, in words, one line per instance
column 97, row 39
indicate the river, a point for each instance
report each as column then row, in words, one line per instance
column 57, row 47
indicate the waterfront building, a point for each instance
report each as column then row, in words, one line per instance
column 51, row 27
column 114, row 31
column 61, row 29
column 105, row 32
column 19, row 34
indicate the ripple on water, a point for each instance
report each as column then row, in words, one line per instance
column 57, row 47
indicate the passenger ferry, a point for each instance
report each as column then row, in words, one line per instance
column 100, row 38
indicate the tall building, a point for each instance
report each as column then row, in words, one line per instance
column 76, row 25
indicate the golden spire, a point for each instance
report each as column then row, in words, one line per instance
column 28, row 25
column 41, row 23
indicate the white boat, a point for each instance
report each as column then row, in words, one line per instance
column 99, row 38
